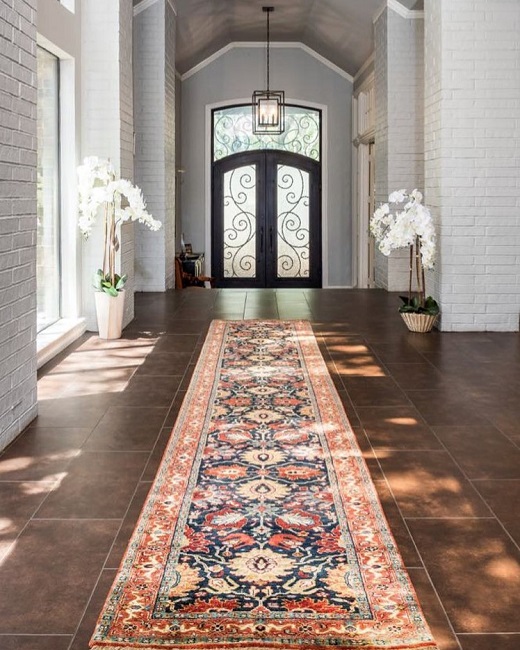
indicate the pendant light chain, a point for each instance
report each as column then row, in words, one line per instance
column 268, row 11
column 268, row 105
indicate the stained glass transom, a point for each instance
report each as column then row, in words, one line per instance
column 233, row 132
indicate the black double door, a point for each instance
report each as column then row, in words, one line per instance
column 266, row 221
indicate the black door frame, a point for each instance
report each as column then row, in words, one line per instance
column 267, row 162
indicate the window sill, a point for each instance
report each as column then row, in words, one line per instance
column 55, row 338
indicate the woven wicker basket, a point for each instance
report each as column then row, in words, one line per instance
column 419, row 322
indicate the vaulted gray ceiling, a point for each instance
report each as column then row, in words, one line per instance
column 339, row 30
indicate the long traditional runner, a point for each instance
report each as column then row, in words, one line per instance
column 262, row 529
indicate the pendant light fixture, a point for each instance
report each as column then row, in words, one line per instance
column 268, row 105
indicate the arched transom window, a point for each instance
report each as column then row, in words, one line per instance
column 233, row 132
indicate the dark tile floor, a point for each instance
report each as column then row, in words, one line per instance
column 436, row 415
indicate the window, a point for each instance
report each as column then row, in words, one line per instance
column 48, row 184
column 233, row 132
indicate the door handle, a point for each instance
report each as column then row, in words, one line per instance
column 261, row 240
column 271, row 239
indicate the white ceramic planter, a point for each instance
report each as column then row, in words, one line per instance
column 109, row 310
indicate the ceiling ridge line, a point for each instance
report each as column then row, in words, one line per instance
column 399, row 8
column 277, row 44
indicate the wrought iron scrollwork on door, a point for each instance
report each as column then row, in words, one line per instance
column 293, row 227
column 240, row 222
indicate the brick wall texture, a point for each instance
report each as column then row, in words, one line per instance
column 169, row 146
column 154, row 88
column 106, row 123
column 126, row 114
column 18, row 93
column 399, row 86
column 472, row 157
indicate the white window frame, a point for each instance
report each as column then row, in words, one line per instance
column 55, row 338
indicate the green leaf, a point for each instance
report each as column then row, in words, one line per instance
column 120, row 283
column 431, row 305
column 96, row 281
column 110, row 290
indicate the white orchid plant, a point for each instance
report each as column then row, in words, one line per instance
column 404, row 222
column 120, row 201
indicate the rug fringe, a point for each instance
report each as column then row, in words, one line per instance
column 257, row 647
column 270, row 646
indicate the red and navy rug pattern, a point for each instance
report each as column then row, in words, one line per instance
column 262, row 528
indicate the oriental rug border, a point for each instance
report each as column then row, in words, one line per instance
column 262, row 529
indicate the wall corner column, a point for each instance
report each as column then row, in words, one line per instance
column 399, row 139
column 155, row 109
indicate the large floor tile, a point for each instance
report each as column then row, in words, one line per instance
column 482, row 451
column 475, row 569
column 165, row 364
column 83, row 411
column 400, row 352
column 106, row 381
column 374, row 391
column 416, row 376
column 489, row 641
column 503, row 497
column 41, row 453
column 35, row 642
column 446, row 407
column 402, row 433
column 183, row 344
column 54, row 567
column 99, row 485
column 429, row 484
column 127, row 428
column 149, row 391
column 19, row 500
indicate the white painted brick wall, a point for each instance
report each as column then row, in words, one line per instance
column 399, row 71
column 169, row 144
column 17, row 217
column 472, row 144
column 154, row 88
column 107, row 123
column 381, row 137
column 126, row 108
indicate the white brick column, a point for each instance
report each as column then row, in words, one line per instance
column 472, row 106
column 107, row 124
column 154, row 88
column 18, row 93
column 399, row 141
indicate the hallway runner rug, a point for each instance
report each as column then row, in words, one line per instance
column 262, row 529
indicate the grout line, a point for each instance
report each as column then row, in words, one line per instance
column 487, row 633
column 486, row 480
column 449, row 518
column 28, row 634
